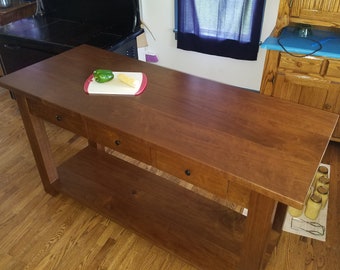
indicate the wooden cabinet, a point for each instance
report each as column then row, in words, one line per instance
column 319, row 13
column 310, row 81
column 307, row 80
column 324, row 12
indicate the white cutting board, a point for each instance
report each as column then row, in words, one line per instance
column 115, row 86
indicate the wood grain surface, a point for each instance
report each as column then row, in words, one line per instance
column 223, row 127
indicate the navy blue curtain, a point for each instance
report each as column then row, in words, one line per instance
column 229, row 28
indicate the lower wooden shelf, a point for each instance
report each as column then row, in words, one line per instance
column 197, row 229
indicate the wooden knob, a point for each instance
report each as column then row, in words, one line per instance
column 327, row 106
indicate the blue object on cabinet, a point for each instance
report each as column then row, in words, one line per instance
column 318, row 43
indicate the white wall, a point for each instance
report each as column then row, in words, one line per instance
column 158, row 15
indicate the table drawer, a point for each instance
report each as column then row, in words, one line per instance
column 301, row 64
column 119, row 141
column 192, row 172
column 59, row 116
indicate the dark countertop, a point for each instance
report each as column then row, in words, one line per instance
column 318, row 43
column 67, row 24
column 59, row 32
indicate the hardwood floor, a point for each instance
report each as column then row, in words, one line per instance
column 38, row 231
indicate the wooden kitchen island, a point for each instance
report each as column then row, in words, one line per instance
column 255, row 151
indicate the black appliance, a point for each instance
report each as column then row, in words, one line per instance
column 109, row 24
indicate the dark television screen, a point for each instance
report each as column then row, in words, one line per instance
column 119, row 16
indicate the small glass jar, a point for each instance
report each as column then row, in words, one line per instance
column 322, row 181
column 322, row 191
column 322, row 171
column 313, row 206
column 294, row 212
column 311, row 189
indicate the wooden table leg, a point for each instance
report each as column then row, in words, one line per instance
column 38, row 139
column 259, row 222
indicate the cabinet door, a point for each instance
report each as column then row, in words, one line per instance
column 309, row 91
column 334, row 94
column 326, row 11
column 15, row 56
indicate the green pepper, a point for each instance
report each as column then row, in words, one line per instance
column 102, row 75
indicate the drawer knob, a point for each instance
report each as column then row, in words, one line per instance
column 117, row 142
column 187, row 172
column 327, row 106
column 58, row 117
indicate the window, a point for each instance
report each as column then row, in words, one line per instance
column 228, row 28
